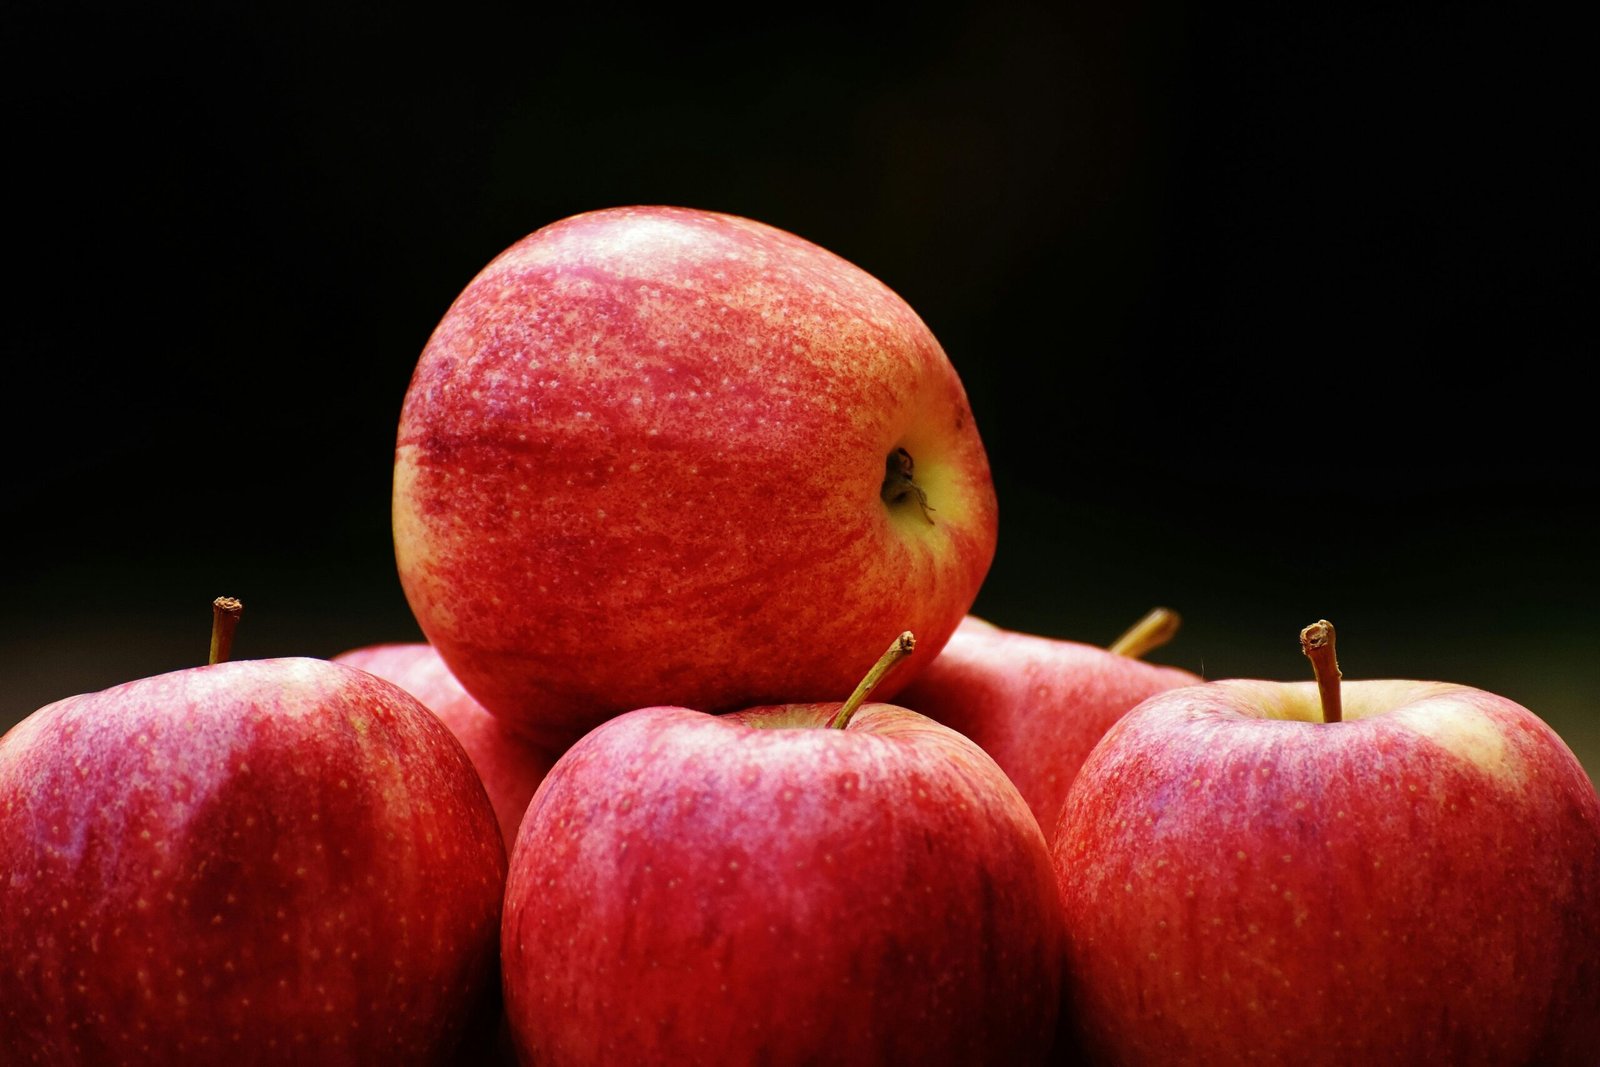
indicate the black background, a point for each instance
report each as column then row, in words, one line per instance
column 1265, row 314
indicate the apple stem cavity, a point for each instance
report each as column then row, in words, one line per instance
column 1316, row 641
column 225, row 612
column 899, row 487
column 1159, row 626
column 902, row 647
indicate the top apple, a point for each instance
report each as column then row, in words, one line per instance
column 654, row 455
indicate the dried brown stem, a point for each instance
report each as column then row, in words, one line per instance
column 1316, row 641
column 225, row 612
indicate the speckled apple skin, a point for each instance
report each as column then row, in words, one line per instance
column 1036, row 704
column 640, row 462
column 510, row 766
column 1419, row 884
column 274, row 861
column 689, row 889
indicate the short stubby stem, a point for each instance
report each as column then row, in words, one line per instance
column 1316, row 641
column 225, row 612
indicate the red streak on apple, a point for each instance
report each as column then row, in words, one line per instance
column 642, row 461
column 510, row 765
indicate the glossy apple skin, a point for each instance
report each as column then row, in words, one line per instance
column 510, row 766
column 689, row 888
column 255, row 862
column 1036, row 704
column 1417, row 884
column 641, row 459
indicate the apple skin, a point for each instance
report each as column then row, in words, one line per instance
column 1036, row 704
column 641, row 461
column 510, row 766
column 1417, row 884
column 752, row 888
column 254, row 862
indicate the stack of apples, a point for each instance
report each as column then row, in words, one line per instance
column 666, row 483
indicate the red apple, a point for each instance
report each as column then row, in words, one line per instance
column 1417, row 881
column 256, row 862
column 1036, row 704
column 762, row 888
column 510, row 765
column 654, row 455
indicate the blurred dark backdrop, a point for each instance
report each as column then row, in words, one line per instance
column 1265, row 314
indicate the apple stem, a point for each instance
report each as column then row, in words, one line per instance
column 902, row 647
column 1159, row 626
column 225, row 612
column 1316, row 641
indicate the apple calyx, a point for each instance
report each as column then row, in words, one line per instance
column 899, row 486
column 899, row 650
column 1158, row 626
column 225, row 612
column 1316, row 641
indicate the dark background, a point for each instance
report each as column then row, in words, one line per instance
column 1265, row 315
